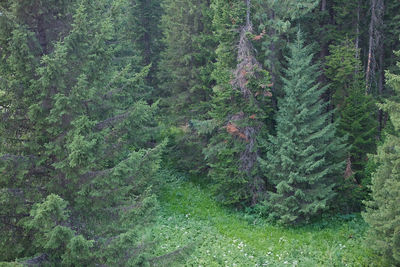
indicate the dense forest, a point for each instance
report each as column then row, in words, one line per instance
column 199, row 133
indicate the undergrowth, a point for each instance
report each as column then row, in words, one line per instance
column 204, row 233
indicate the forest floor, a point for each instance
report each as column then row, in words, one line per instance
column 196, row 231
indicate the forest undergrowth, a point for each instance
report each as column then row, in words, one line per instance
column 194, row 230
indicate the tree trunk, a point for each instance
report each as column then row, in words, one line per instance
column 323, row 5
column 371, row 58
column 357, row 41
column 375, row 43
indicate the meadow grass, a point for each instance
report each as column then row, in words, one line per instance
column 204, row 233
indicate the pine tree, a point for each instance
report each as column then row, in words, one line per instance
column 78, row 158
column 275, row 25
column 240, row 108
column 304, row 162
column 185, row 74
column 143, row 22
column 357, row 115
column 359, row 125
column 186, row 62
column 344, row 71
column 27, row 32
column 383, row 211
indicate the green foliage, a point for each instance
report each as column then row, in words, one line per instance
column 343, row 70
column 239, row 111
column 275, row 20
column 143, row 19
column 48, row 221
column 81, row 132
column 185, row 74
column 83, row 136
column 357, row 115
column 305, row 159
column 186, row 62
column 78, row 252
column 383, row 212
column 195, row 225
column 358, row 122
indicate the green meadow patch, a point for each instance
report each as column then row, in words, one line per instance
column 194, row 230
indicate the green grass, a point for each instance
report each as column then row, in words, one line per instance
column 204, row 233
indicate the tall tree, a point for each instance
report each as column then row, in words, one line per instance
column 240, row 107
column 304, row 161
column 186, row 63
column 275, row 23
column 185, row 74
column 356, row 112
column 383, row 211
column 144, row 19
column 77, row 148
column 375, row 47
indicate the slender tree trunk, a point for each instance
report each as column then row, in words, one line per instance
column 272, row 60
column 381, row 79
column 247, row 62
column 357, row 41
column 370, row 62
column 375, row 43
column 41, row 34
column 248, row 22
column 380, row 45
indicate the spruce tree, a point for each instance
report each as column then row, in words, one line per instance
column 185, row 74
column 357, row 115
column 358, row 124
column 383, row 211
column 143, row 19
column 77, row 153
column 239, row 111
column 302, row 163
column 275, row 25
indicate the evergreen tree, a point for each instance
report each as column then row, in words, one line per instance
column 383, row 211
column 240, row 107
column 359, row 125
column 304, row 162
column 344, row 71
column 357, row 121
column 275, row 25
column 186, row 62
column 78, row 164
column 185, row 74
column 27, row 32
column 143, row 22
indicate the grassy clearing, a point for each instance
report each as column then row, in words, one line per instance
column 205, row 234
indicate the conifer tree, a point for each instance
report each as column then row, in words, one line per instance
column 357, row 115
column 359, row 125
column 186, row 61
column 143, row 22
column 303, row 163
column 185, row 74
column 275, row 23
column 77, row 149
column 383, row 211
column 240, row 108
